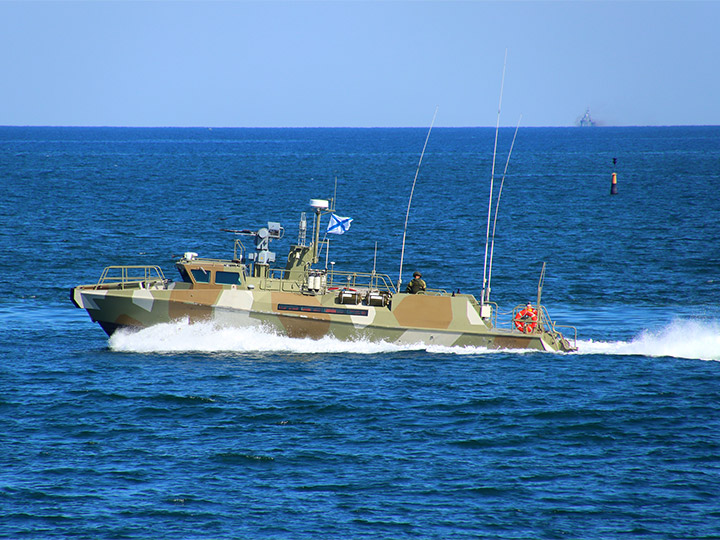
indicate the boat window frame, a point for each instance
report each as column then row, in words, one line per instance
column 204, row 273
column 238, row 273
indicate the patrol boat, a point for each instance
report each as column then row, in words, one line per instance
column 300, row 299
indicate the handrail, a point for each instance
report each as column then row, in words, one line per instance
column 366, row 280
column 545, row 324
column 275, row 281
column 145, row 274
column 356, row 280
column 235, row 250
column 570, row 327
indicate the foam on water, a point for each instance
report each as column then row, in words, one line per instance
column 680, row 339
column 181, row 336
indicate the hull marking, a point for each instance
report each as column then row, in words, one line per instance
column 320, row 309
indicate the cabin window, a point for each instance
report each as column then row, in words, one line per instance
column 201, row 275
column 228, row 278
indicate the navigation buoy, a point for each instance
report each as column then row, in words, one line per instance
column 613, row 186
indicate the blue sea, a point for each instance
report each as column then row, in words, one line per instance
column 198, row 431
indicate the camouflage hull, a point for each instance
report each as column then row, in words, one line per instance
column 432, row 319
column 302, row 301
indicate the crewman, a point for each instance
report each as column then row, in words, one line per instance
column 416, row 285
column 529, row 313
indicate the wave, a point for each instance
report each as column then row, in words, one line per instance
column 681, row 339
column 693, row 339
column 181, row 336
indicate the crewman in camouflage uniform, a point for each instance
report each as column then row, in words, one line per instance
column 416, row 285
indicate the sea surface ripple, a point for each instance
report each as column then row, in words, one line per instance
column 204, row 431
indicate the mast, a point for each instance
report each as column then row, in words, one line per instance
column 541, row 281
column 319, row 205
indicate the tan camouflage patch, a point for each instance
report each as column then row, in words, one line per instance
column 516, row 342
column 194, row 304
column 419, row 310
column 304, row 327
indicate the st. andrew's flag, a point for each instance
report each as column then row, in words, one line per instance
column 338, row 225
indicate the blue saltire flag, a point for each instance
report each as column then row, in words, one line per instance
column 338, row 225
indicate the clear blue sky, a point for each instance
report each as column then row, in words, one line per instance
column 348, row 63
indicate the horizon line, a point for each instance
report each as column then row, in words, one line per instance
column 99, row 126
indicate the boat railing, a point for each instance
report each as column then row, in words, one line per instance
column 544, row 324
column 550, row 326
column 531, row 326
column 360, row 280
column 139, row 276
column 238, row 250
column 569, row 327
column 275, row 280
column 544, row 320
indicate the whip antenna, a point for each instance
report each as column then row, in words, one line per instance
column 492, row 181
column 407, row 214
column 497, row 207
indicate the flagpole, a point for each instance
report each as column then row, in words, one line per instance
column 336, row 225
column 327, row 251
column 407, row 214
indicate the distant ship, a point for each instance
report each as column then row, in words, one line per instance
column 586, row 120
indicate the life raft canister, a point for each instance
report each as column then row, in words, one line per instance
column 526, row 320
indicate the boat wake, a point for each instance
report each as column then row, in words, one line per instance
column 181, row 336
column 691, row 339
column 680, row 339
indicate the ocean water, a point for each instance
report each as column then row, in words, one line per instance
column 197, row 431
